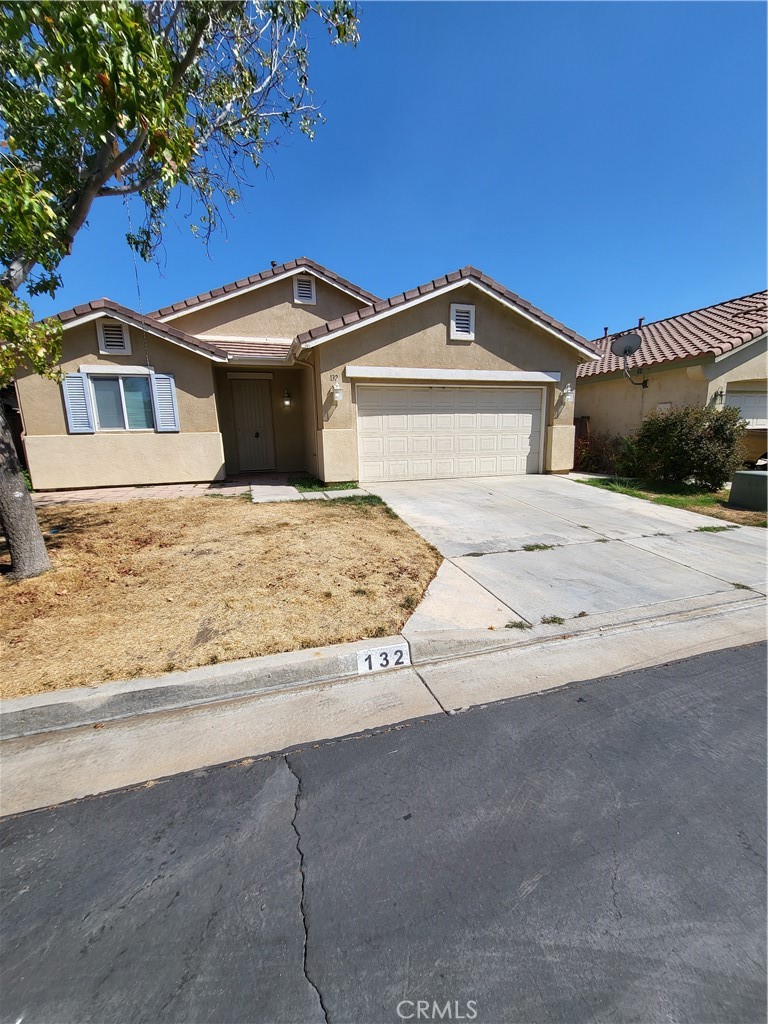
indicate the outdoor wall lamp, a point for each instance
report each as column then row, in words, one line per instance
column 338, row 392
column 287, row 399
column 719, row 396
column 569, row 393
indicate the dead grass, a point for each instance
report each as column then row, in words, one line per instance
column 146, row 587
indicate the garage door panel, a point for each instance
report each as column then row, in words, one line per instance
column 442, row 432
column 396, row 446
column 421, row 445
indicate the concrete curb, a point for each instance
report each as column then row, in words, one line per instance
column 295, row 670
column 210, row 684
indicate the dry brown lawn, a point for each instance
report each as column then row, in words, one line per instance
column 145, row 587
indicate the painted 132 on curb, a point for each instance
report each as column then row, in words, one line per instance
column 378, row 659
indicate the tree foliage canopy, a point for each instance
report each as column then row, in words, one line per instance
column 114, row 98
column 121, row 97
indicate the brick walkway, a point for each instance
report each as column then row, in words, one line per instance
column 261, row 487
column 153, row 491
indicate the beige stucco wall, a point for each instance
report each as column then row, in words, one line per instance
column 419, row 337
column 748, row 365
column 614, row 406
column 60, row 460
column 288, row 422
column 268, row 312
column 43, row 404
column 558, row 449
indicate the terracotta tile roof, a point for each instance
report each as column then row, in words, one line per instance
column 253, row 348
column 713, row 330
column 172, row 334
column 265, row 275
column 469, row 274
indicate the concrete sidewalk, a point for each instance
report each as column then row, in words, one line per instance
column 74, row 743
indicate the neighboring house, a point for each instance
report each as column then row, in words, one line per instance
column 711, row 356
column 296, row 369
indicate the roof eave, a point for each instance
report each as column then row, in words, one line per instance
column 228, row 291
column 307, row 341
column 140, row 323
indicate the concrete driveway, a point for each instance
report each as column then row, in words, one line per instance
column 601, row 553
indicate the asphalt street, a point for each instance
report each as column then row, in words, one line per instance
column 595, row 853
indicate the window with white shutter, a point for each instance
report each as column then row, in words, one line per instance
column 120, row 402
column 304, row 290
column 114, row 338
column 462, row 322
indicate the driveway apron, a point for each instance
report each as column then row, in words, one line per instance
column 533, row 547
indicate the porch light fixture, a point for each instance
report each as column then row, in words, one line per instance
column 569, row 392
column 287, row 399
column 338, row 392
column 719, row 397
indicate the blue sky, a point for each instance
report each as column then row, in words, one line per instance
column 603, row 160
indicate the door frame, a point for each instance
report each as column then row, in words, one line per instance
column 455, row 387
column 253, row 378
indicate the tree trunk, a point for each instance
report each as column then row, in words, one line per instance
column 18, row 519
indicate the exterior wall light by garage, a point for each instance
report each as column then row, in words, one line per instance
column 569, row 392
column 338, row 392
column 719, row 397
column 287, row 399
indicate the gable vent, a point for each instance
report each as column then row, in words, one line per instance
column 462, row 322
column 304, row 290
column 113, row 337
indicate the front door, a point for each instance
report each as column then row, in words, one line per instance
column 252, row 402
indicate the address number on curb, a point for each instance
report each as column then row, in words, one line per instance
column 379, row 658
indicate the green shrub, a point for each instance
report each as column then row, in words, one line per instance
column 606, row 453
column 702, row 444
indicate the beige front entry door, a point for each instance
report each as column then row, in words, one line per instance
column 252, row 402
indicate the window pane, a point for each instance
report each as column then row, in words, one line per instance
column 138, row 403
column 108, row 405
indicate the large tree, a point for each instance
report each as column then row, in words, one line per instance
column 115, row 98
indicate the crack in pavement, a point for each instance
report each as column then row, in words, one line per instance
column 303, row 872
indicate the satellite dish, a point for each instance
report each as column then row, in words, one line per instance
column 626, row 344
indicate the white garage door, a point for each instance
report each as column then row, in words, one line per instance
column 423, row 433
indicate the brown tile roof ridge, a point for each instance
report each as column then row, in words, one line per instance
column 706, row 331
column 145, row 321
column 265, row 275
column 468, row 273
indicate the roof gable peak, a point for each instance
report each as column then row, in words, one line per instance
column 274, row 273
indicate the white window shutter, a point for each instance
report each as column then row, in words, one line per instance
column 77, row 402
column 164, row 403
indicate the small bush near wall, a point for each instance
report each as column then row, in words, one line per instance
column 606, row 453
column 692, row 443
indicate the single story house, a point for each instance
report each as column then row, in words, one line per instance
column 298, row 369
column 711, row 356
